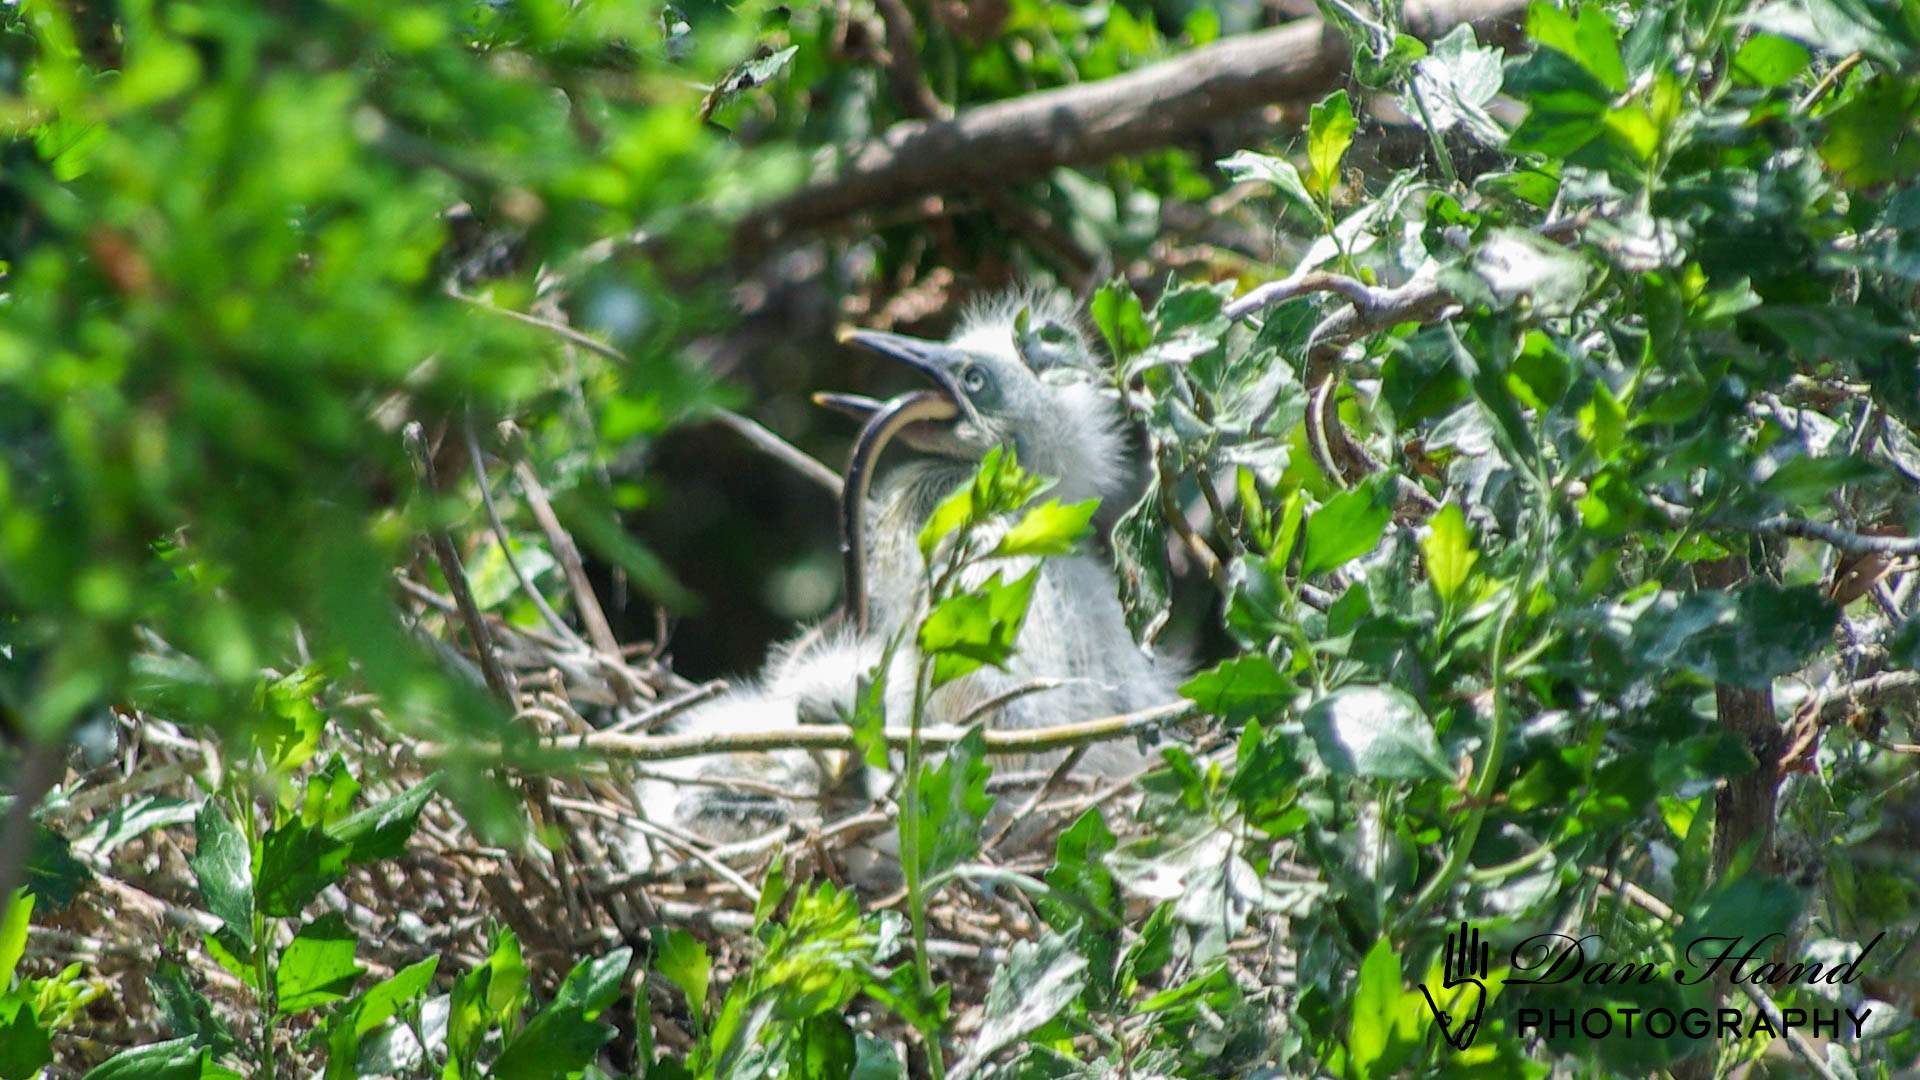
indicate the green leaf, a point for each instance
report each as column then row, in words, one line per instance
column 869, row 720
column 1770, row 60
column 1038, row 980
column 1049, row 529
column 953, row 806
column 1346, row 527
column 1383, row 1030
column 53, row 874
column 317, row 966
column 1747, row 637
column 131, row 820
column 1456, row 81
column 1330, row 128
column 1589, row 41
column 223, row 866
column 1448, row 552
column 1603, row 422
column 1375, row 731
column 1242, row 688
column 296, row 863
column 976, row 628
column 385, row 999
column 13, row 934
column 682, row 960
column 187, row 1011
column 179, row 1059
column 950, row 516
column 1121, row 320
column 823, row 1049
column 1875, row 137
column 24, row 1046
column 1808, row 481
column 594, row 983
column 1246, row 165
column 555, row 1044
column 382, row 830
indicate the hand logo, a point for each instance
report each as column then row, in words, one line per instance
column 1463, row 966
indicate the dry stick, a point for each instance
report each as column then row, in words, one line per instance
column 756, row 434
column 840, row 737
column 760, row 438
column 1847, row 540
column 595, row 618
column 551, row 617
column 648, row 718
column 902, row 62
column 449, row 559
column 1012, row 141
column 1653, row 905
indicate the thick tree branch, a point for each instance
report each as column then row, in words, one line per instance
column 1008, row 142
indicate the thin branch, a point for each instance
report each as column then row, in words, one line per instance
column 760, row 438
column 649, row 718
column 840, row 737
column 564, row 549
column 902, row 62
column 444, row 553
column 756, row 434
column 1847, row 540
column 499, row 527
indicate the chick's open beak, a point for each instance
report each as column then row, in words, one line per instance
column 884, row 420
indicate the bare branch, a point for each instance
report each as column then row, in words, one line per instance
column 449, row 559
column 840, row 737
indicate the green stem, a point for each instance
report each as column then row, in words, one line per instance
column 910, row 859
column 1440, row 155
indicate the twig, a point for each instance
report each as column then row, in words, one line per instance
column 449, row 559
column 1653, row 905
column 1039, row 796
column 840, row 737
column 1847, row 540
column 649, row 718
column 765, row 441
column 595, row 618
column 499, row 527
column 1039, row 685
column 1827, row 82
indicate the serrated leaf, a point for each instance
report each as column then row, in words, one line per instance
column 1049, row 529
column 1375, row 731
column 971, row 629
column 25, row 1048
column 953, row 806
column 1038, row 980
column 1456, row 81
column 1239, row 689
column 682, row 960
column 317, row 966
column 1246, row 165
column 223, row 865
